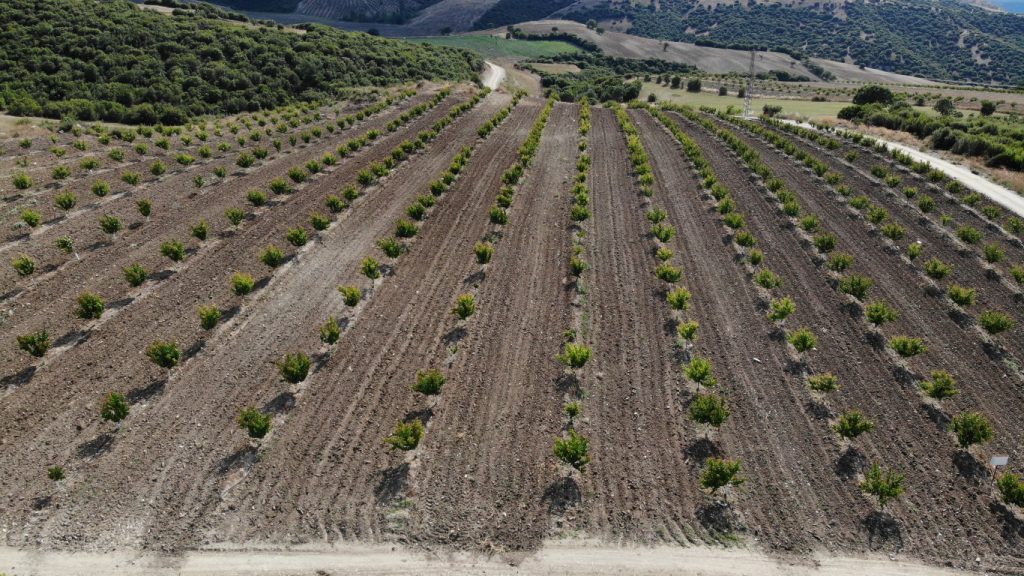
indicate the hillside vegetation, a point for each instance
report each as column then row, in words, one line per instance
column 113, row 61
column 942, row 39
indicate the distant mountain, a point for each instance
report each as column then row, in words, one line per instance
column 1016, row 6
column 392, row 11
column 941, row 39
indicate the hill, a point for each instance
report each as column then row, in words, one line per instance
column 116, row 62
column 939, row 39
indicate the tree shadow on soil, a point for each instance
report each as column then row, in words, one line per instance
column 145, row 393
column 72, row 337
column 717, row 517
column 959, row 317
column 95, row 447
column 11, row 294
column 568, row 383
column 850, row 463
column 392, row 483
column 818, row 410
column 1013, row 527
column 993, row 351
column 280, row 404
column 263, row 283
column 474, row 278
column 194, row 349
column 41, row 502
column 455, row 336
column 238, row 459
column 969, row 467
column 118, row 304
column 701, row 449
column 423, row 415
column 20, row 379
column 936, row 415
column 875, row 339
column 162, row 275
column 883, row 529
column 562, row 494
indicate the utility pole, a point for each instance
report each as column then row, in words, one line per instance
column 750, row 87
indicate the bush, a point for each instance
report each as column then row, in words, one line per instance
column 280, row 186
column 1018, row 273
column 687, row 331
column 330, row 332
column 60, row 173
column 200, row 231
column 825, row 382
column 370, row 268
column 803, row 340
column 405, row 229
column 709, row 410
column 36, row 343
column 825, row 242
column 174, row 250
column 255, row 423
column 573, row 450
column 906, row 346
column 879, row 313
column 995, row 322
column 579, row 213
column 484, row 252
column 668, row 273
column 839, row 262
column 968, row 235
column 209, row 316
column 852, row 424
column 886, row 486
column 24, row 265
column 657, row 215
column 994, row 253
column 855, row 285
column 577, row 266
column 894, row 232
column 664, row 254
column 164, row 354
column 768, row 279
column 416, row 211
column 256, row 197
column 114, row 407
column 663, row 232
column 234, row 215
column 351, row 295
column 575, row 356
column 245, row 160
column 365, row 177
column 498, row 216
column 297, row 236
column 719, row 473
column 22, row 181
column 55, row 473
column 914, row 250
column 135, row 275
column 971, row 428
column 319, row 222
column 926, row 203
column 294, row 367
column 699, row 370
column 100, row 188
column 158, row 168
column 937, row 269
column 335, row 204
column 110, row 224
column 429, row 382
column 90, row 306
column 406, row 436
column 809, row 223
column 465, row 306
column 242, row 284
column 755, row 256
column 781, row 309
column 392, row 248
column 941, row 386
column 1012, row 489
column 65, row 201
column 961, row 295
column 130, row 178
column 733, row 220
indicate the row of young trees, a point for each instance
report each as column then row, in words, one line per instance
column 706, row 408
column 969, row 427
column 878, row 482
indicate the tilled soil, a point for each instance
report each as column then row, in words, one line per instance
column 948, row 510
column 345, row 483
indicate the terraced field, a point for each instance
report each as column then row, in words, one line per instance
column 477, row 321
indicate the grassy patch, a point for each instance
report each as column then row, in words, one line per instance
column 495, row 47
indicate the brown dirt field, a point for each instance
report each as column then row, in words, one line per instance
column 75, row 380
column 489, row 445
column 31, row 304
column 350, row 486
column 908, row 437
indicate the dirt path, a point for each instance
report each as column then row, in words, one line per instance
column 345, row 482
column 489, row 445
column 943, row 497
column 556, row 558
column 493, row 76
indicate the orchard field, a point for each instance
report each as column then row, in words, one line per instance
column 469, row 320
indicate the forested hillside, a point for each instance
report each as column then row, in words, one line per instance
column 115, row 61
column 942, row 39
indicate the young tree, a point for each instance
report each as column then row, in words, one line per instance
column 164, row 354
column 330, row 332
column 971, row 428
column 114, row 407
column 575, row 356
column 573, row 450
column 370, row 268
column 110, row 225
column 242, row 284
column 294, row 367
column 995, row 322
column 90, row 306
column 824, row 382
column 406, row 436
column 856, row 285
column 24, row 265
column 884, row 485
column 55, row 473
column 174, row 250
column 803, row 340
column 1012, row 489
column 36, row 343
column 209, row 316
column 465, row 306
column 781, row 309
column 941, row 386
column 879, row 313
column 906, row 346
column 709, row 410
column 852, row 424
column 719, row 473
column 699, row 370
column 679, row 299
column 255, row 423
column 429, row 382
